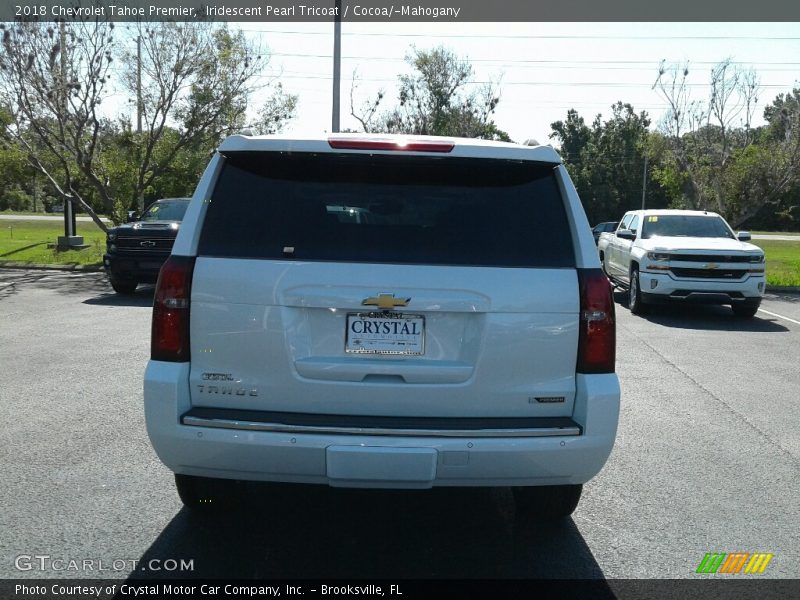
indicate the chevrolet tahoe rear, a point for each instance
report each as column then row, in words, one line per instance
column 382, row 312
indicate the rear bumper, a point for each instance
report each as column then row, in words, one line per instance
column 660, row 288
column 379, row 460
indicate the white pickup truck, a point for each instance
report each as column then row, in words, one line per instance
column 662, row 256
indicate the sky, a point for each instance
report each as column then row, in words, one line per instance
column 543, row 69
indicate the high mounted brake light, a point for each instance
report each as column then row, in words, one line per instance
column 170, row 333
column 391, row 145
column 597, row 336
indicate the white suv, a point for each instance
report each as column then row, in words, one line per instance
column 461, row 335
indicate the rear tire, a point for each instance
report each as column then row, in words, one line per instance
column 547, row 503
column 745, row 311
column 635, row 303
column 123, row 286
column 203, row 494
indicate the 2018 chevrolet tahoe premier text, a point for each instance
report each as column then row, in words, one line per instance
column 384, row 312
column 683, row 256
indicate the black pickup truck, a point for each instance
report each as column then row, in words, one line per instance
column 135, row 251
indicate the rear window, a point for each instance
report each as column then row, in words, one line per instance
column 166, row 210
column 387, row 209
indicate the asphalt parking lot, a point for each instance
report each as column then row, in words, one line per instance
column 706, row 460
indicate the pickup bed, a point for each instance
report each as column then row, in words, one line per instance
column 663, row 256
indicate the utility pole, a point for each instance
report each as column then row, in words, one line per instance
column 139, row 84
column 139, row 107
column 337, row 65
column 69, row 240
column 644, row 180
column 62, row 28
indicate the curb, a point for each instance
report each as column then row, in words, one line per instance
column 45, row 267
column 783, row 290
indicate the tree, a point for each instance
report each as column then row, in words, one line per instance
column 13, row 170
column 176, row 179
column 54, row 80
column 436, row 99
column 196, row 82
column 781, row 136
column 573, row 135
column 606, row 161
column 781, row 115
column 719, row 160
column 774, row 179
column 197, row 78
column 277, row 111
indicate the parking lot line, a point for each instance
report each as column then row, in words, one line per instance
column 779, row 316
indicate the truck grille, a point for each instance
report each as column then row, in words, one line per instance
column 715, row 258
column 709, row 273
column 150, row 245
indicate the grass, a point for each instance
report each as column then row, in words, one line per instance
column 776, row 232
column 26, row 241
column 783, row 261
column 28, row 212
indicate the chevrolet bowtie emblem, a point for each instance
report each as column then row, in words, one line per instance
column 710, row 266
column 385, row 301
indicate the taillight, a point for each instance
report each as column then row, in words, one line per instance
column 401, row 145
column 597, row 337
column 170, row 334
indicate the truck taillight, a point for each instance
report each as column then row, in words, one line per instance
column 597, row 336
column 170, row 334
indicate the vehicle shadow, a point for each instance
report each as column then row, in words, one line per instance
column 301, row 531
column 75, row 282
column 142, row 297
column 700, row 316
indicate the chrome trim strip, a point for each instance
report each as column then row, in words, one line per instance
column 283, row 428
column 164, row 251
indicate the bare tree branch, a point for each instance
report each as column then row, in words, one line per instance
column 196, row 78
column 436, row 99
column 53, row 79
column 713, row 148
column 369, row 109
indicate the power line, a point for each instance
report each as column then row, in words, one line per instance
column 648, row 69
column 575, row 62
column 528, row 36
column 524, row 83
column 532, row 61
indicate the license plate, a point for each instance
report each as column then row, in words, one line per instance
column 151, row 266
column 385, row 333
